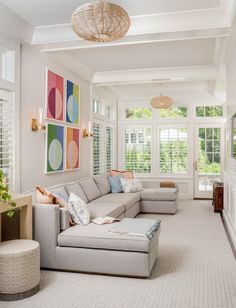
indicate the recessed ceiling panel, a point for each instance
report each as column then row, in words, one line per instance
column 151, row 55
column 49, row 12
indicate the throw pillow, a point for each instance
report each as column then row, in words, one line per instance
column 128, row 175
column 44, row 197
column 78, row 210
column 129, row 186
column 114, row 182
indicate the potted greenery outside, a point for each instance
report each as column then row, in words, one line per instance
column 5, row 195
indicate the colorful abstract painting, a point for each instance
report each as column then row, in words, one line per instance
column 55, row 96
column 72, row 102
column 55, row 148
column 72, row 148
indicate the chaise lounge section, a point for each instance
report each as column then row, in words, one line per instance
column 93, row 248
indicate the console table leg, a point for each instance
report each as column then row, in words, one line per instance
column 26, row 222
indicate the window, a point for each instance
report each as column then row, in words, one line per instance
column 108, row 112
column 209, row 111
column 138, row 113
column 7, row 64
column 174, row 112
column 138, row 149
column 103, row 148
column 7, row 137
column 96, row 106
column 173, row 150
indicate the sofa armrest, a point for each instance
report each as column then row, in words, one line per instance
column 46, row 227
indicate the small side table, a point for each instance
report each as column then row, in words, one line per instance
column 218, row 196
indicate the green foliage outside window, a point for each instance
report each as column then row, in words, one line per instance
column 138, row 113
column 209, row 111
column 174, row 112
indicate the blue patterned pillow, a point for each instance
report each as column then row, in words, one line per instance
column 114, row 182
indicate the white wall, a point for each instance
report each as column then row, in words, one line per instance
column 229, row 212
column 33, row 64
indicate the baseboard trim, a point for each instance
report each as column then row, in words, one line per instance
column 230, row 230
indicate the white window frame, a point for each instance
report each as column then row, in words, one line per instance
column 208, row 119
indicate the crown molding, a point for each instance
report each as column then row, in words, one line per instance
column 156, row 75
column 142, row 25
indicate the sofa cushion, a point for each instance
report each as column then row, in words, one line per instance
column 90, row 189
column 77, row 190
column 128, row 200
column 159, row 194
column 98, row 236
column 102, row 183
column 102, row 209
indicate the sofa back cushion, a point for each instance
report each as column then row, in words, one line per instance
column 90, row 189
column 102, row 183
column 77, row 190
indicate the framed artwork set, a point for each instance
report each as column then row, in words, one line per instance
column 63, row 127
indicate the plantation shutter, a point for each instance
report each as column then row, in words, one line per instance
column 7, row 137
column 138, row 149
column 103, row 148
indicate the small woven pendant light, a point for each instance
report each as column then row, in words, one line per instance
column 100, row 21
column 162, row 102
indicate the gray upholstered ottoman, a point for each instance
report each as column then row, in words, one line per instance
column 19, row 269
column 94, row 249
column 159, row 200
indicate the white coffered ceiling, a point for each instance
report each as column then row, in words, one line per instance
column 50, row 12
column 170, row 41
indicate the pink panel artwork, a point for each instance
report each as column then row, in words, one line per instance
column 55, row 96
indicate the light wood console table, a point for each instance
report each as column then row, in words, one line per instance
column 24, row 203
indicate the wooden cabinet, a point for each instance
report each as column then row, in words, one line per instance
column 218, row 196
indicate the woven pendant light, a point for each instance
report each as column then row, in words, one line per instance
column 162, row 102
column 100, row 21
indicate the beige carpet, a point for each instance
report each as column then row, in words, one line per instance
column 195, row 268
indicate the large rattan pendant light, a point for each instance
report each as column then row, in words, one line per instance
column 100, row 21
column 162, row 101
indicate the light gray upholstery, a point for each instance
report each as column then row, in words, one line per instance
column 77, row 190
column 154, row 194
column 90, row 189
column 128, row 200
column 102, row 209
column 160, row 207
column 112, row 262
column 102, row 184
column 95, row 236
column 64, row 218
column 92, row 248
column 133, row 211
column 46, row 223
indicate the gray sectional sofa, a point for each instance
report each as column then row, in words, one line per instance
column 93, row 248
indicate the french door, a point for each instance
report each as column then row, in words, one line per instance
column 209, row 157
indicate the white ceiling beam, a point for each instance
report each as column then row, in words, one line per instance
column 140, row 39
column 143, row 25
column 158, row 75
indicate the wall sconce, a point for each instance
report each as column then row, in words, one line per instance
column 87, row 131
column 37, row 124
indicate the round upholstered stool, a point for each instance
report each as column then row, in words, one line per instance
column 19, row 269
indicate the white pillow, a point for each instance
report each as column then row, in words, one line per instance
column 132, row 185
column 78, row 210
